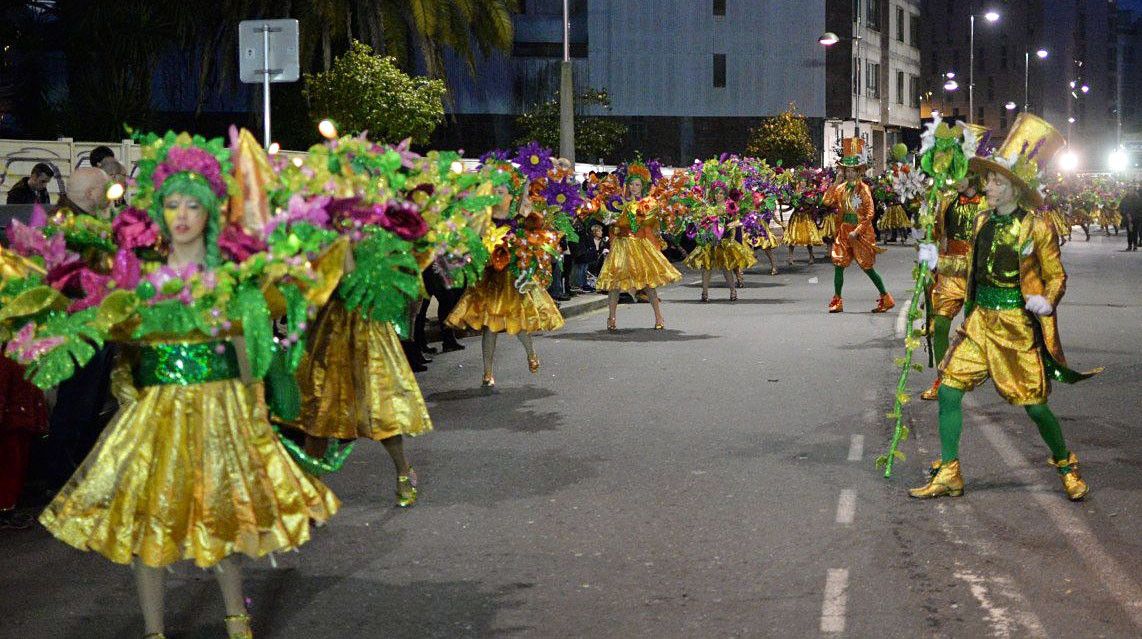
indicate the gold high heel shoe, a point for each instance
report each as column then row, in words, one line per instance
column 947, row 482
column 488, row 381
column 533, row 364
column 406, row 489
column 241, row 634
column 658, row 326
column 1073, row 483
column 612, row 324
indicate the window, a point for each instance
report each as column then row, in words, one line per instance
column 720, row 8
column 719, row 70
column 900, row 19
column 872, row 79
column 914, row 30
column 914, row 84
column 899, row 87
column 873, row 15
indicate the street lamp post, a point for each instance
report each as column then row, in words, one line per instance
column 828, row 39
column 1041, row 54
column 990, row 16
column 566, row 94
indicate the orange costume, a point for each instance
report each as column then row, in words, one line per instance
column 853, row 211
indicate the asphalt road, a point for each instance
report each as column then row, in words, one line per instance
column 712, row 480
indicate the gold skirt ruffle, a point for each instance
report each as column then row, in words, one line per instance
column 634, row 264
column 829, row 226
column 356, row 382
column 763, row 242
column 189, row 472
column 726, row 255
column 801, row 231
column 894, row 218
column 1111, row 217
column 495, row 304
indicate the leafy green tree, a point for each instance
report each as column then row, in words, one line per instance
column 595, row 136
column 783, row 138
column 363, row 91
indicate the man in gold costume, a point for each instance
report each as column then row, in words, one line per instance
column 1015, row 280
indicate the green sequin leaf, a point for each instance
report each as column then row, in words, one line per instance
column 385, row 279
column 249, row 305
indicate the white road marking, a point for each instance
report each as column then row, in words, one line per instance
column 1109, row 572
column 1001, row 620
column 836, row 598
column 846, row 506
column 856, row 447
column 902, row 319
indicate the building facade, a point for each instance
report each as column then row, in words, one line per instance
column 873, row 74
column 690, row 77
column 1074, row 87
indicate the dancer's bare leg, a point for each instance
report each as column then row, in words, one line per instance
column 656, row 304
column 706, row 283
column 394, row 446
column 613, row 305
column 810, row 254
column 229, row 577
column 730, row 284
column 149, row 585
column 488, row 347
column 772, row 264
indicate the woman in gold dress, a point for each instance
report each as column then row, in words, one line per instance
column 724, row 253
column 636, row 262
column 190, row 467
column 505, row 301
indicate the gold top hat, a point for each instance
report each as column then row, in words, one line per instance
column 1031, row 144
column 852, row 153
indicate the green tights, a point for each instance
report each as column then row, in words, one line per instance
column 941, row 329
column 839, row 279
column 952, row 424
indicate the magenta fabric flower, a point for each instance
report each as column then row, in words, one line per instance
column 184, row 159
column 239, row 245
column 403, row 219
column 25, row 348
column 134, row 229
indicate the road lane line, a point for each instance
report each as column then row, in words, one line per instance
column 902, row 319
column 846, row 506
column 856, row 447
column 1063, row 513
column 836, row 598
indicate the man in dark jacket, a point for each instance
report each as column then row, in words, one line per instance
column 1131, row 208
column 34, row 188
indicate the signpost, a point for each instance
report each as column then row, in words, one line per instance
column 268, row 52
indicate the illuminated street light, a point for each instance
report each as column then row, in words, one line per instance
column 950, row 75
column 1071, row 120
column 1068, row 161
column 828, row 39
column 1010, row 106
column 1042, row 53
column 991, row 16
column 1119, row 160
column 951, row 85
column 1085, row 89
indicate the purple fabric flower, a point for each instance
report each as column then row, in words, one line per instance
column 238, row 245
column 534, row 160
column 615, row 203
column 133, row 229
column 302, row 209
column 564, row 194
column 182, row 159
column 405, row 220
column 495, row 156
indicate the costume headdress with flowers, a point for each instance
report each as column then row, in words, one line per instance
column 1030, row 145
column 853, row 154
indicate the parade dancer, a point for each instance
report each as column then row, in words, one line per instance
column 635, row 262
column 512, row 296
column 1015, row 282
column 758, row 233
column 189, row 468
column 954, row 232
column 721, row 249
column 801, row 230
column 852, row 200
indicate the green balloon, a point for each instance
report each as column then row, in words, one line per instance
column 899, row 151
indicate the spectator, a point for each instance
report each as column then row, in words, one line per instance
column 1132, row 217
column 99, row 155
column 86, row 192
column 589, row 257
column 34, row 188
column 446, row 299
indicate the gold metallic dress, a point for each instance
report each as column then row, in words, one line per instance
column 801, row 231
column 633, row 264
column 189, row 468
column 355, row 380
column 727, row 254
column 829, row 226
column 894, row 218
column 495, row 304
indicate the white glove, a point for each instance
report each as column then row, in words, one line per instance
column 1039, row 305
column 930, row 255
column 918, row 234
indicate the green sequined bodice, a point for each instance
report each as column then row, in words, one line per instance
column 996, row 261
column 959, row 224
